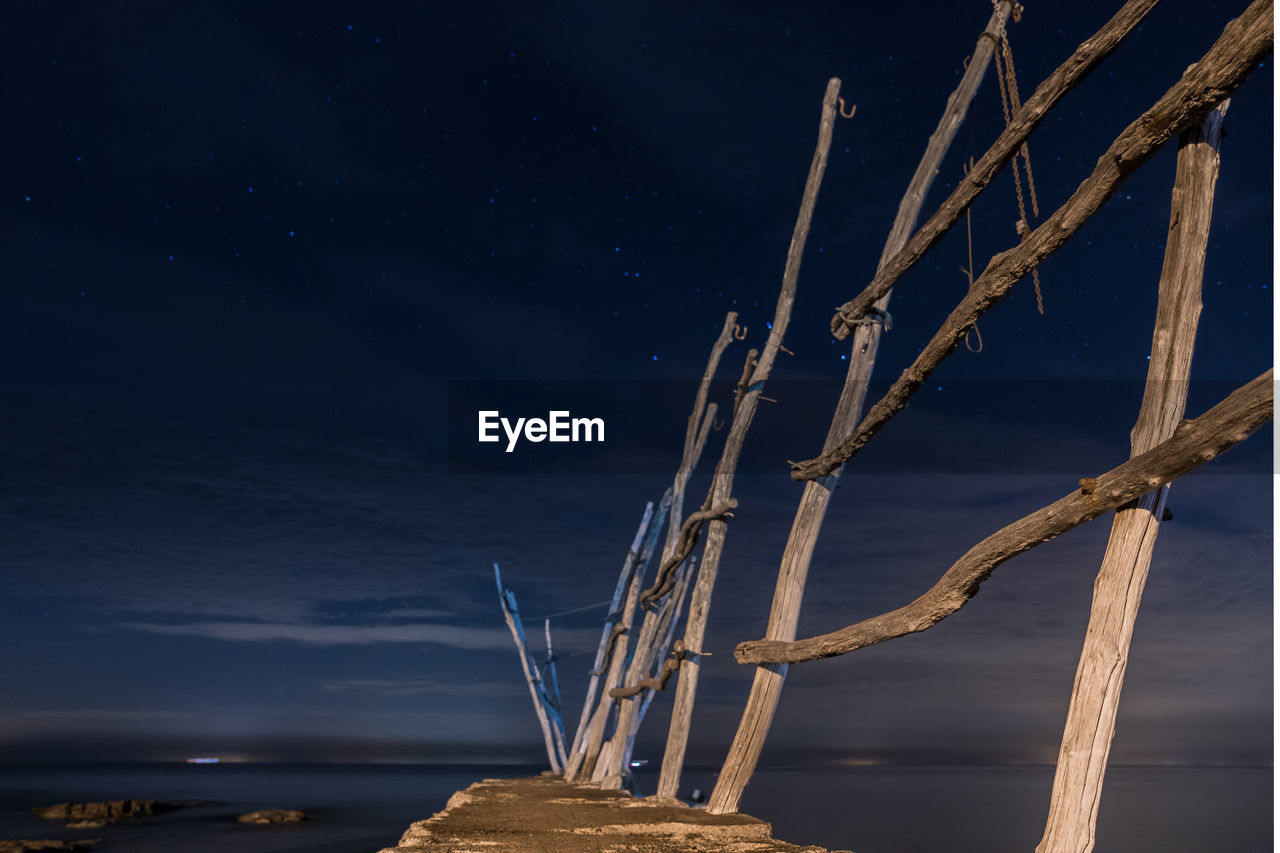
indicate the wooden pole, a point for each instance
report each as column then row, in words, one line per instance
column 766, row 688
column 582, row 763
column 551, row 687
column 554, row 691
column 548, row 717
column 755, row 373
column 1194, row 443
column 1243, row 44
column 658, row 661
column 611, row 619
column 1091, row 716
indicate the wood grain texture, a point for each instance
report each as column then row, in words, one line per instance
column 1117, row 592
column 754, row 376
column 1244, row 42
column 1193, row 443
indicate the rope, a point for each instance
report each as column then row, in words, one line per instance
column 566, row 612
column 1011, row 103
column 968, row 271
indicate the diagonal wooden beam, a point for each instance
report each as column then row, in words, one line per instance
column 1193, row 443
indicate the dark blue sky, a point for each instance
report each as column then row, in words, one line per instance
column 250, row 245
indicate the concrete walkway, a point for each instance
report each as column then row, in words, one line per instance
column 546, row 815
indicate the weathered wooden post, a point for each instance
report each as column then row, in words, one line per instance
column 1117, row 592
column 784, row 615
column 553, row 691
column 755, row 374
column 659, row 663
column 548, row 714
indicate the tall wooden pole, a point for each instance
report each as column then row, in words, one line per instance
column 755, row 373
column 1117, row 592
column 766, row 689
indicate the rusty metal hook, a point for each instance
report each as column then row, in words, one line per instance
column 849, row 114
column 739, row 332
column 717, row 424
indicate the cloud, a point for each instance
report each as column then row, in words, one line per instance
column 452, row 636
column 418, row 686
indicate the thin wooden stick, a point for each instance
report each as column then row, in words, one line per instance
column 694, row 440
column 606, row 633
column 1095, row 697
column 1193, row 443
column 1087, row 57
column 554, row 691
column 657, row 662
column 1244, row 43
column 547, row 715
column 766, row 687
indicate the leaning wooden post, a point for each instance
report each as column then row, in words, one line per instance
column 548, row 719
column 658, row 661
column 766, row 689
column 754, row 375
column 554, row 691
column 1117, row 592
column 619, row 593
column 582, row 763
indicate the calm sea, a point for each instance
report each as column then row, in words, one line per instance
column 362, row 808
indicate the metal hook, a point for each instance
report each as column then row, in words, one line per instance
column 849, row 114
column 717, row 424
column 739, row 332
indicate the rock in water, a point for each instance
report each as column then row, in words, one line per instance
column 29, row 845
column 273, row 816
column 83, row 815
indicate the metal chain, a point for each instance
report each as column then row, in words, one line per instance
column 1011, row 103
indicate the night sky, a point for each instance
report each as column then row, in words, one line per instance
column 249, row 246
